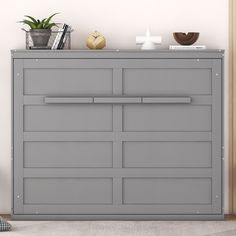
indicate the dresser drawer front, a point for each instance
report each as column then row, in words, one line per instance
column 70, row 81
column 166, row 118
column 68, row 118
column 167, row 154
column 167, row 191
column 67, row 191
column 67, row 154
column 167, row 81
column 99, row 117
column 140, row 76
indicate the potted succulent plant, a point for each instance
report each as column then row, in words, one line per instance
column 40, row 30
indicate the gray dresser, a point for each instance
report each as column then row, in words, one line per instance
column 117, row 134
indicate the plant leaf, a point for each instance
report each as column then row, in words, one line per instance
column 26, row 21
column 29, row 23
column 49, row 26
column 32, row 18
column 43, row 20
column 40, row 25
column 50, row 17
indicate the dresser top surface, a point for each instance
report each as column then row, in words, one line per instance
column 117, row 53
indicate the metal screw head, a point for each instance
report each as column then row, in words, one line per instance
column 18, row 74
column 217, row 74
column 36, row 59
column 198, row 59
column 217, row 196
column 18, row 196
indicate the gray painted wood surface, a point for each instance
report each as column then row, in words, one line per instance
column 117, row 134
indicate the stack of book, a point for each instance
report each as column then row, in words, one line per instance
column 183, row 47
column 61, row 37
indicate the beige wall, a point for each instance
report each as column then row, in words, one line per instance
column 120, row 21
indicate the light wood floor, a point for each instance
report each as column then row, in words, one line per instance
column 123, row 228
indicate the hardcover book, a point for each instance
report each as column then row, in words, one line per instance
column 183, row 47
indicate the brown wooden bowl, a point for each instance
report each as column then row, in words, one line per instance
column 186, row 39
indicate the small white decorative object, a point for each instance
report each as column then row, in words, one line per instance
column 148, row 42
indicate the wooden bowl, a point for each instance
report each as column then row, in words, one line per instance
column 186, row 39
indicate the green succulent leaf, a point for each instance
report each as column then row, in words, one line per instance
column 50, row 17
column 51, row 25
column 39, row 24
column 43, row 20
column 29, row 23
column 32, row 18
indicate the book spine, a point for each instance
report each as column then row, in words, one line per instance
column 199, row 47
column 57, row 39
column 66, row 37
column 62, row 37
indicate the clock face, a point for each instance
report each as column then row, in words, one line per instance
column 96, row 35
column 96, row 41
